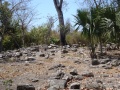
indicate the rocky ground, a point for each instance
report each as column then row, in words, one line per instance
column 56, row 68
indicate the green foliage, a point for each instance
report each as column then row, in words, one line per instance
column 75, row 37
column 8, row 84
column 7, row 42
column 118, row 19
column 100, row 24
column 39, row 35
column 54, row 40
column 5, row 17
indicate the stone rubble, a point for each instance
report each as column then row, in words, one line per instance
column 58, row 68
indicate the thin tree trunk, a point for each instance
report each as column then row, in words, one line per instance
column 23, row 36
column 101, row 51
column 1, row 46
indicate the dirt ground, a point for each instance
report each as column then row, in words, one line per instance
column 28, row 72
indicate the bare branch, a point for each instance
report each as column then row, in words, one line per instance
column 14, row 7
column 55, row 3
column 61, row 2
column 58, row 3
column 96, row 3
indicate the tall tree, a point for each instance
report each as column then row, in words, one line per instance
column 24, row 15
column 58, row 5
column 5, row 20
column 50, row 24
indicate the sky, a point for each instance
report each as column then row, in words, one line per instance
column 45, row 8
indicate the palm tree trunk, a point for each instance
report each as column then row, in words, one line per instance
column 101, row 51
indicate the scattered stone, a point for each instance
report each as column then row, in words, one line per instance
column 108, row 67
column 53, row 51
column 95, row 62
column 49, row 47
column 18, row 54
column 78, row 77
column 57, row 66
column 74, row 72
column 42, row 55
column 99, row 81
column 118, row 86
column 94, row 86
column 25, row 87
column 115, row 62
column 59, row 84
column 1, row 55
column 67, row 77
column 35, row 48
column 75, row 45
column 64, row 51
column 53, row 88
column 74, row 86
column 47, row 56
column 77, row 62
column 26, row 63
column 59, row 75
column 105, row 75
column 87, row 74
column 35, row 80
column 74, row 49
column 31, row 59
column 104, row 61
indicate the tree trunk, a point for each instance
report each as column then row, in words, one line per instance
column 58, row 6
column 62, row 28
column 101, row 51
column 1, row 46
column 23, row 41
column 23, row 36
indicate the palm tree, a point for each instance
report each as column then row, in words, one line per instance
column 84, row 20
column 111, row 23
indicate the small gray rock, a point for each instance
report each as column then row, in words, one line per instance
column 64, row 51
column 74, row 49
column 74, row 86
column 25, row 87
column 59, row 84
column 79, row 77
column 88, row 74
column 57, row 66
column 95, row 62
column 59, row 75
column 77, row 62
column 42, row 55
column 31, row 59
column 74, row 72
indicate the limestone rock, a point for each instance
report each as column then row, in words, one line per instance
column 25, row 87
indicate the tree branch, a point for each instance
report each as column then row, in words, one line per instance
column 61, row 1
column 96, row 3
column 100, row 2
column 58, row 4
column 55, row 3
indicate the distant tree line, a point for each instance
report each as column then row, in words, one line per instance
column 100, row 24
